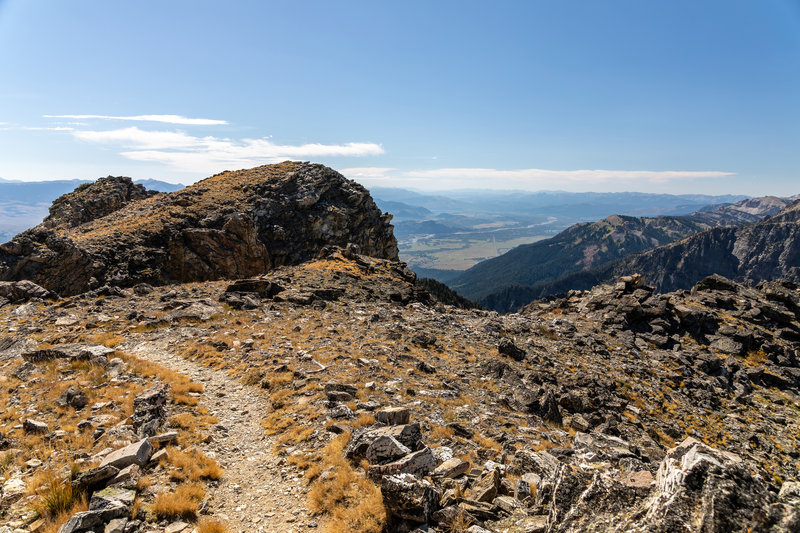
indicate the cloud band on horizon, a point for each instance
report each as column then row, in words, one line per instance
column 530, row 177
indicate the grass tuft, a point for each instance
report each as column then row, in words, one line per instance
column 183, row 503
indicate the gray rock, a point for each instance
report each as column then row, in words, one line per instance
column 35, row 426
column 149, row 412
column 697, row 484
column 73, row 397
column 507, row 347
column 112, row 497
column 420, row 464
column 408, row 497
column 137, row 453
column 408, row 435
column 385, row 449
column 88, row 479
column 128, row 477
column 89, row 520
column 393, row 416
column 485, row 489
column 451, row 468
column 22, row 291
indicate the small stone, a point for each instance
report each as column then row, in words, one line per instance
column 451, row 468
column 176, row 527
column 507, row 347
column 116, row 526
column 393, row 416
column 160, row 454
column 34, row 426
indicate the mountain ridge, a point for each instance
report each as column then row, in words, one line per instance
column 583, row 247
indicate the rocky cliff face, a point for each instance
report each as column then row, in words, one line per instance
column 769, row 249
column 232, row 225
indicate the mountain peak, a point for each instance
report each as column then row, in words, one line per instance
column 230, row 225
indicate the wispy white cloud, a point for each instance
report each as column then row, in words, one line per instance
column 168, row 119
column 46, row 128
column 189, row 153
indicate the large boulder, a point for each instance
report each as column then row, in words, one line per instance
column 233, row 225
column 408, row 497
column 699, row 488
column 22, row 291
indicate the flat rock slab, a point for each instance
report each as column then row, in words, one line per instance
column 111, row 497
column 78, row 352
column 419, row 464
column 137, row 453
column 452, row 468
column 87, row 520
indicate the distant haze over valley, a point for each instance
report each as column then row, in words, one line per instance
column 442, row 233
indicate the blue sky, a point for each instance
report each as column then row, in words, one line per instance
column 678, row 96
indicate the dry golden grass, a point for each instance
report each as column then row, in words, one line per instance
column 346, row 496
column 364, row 419
column 439, row 433
column 211, row 525
column 53, row 524
column 183, row 420
column 181, row 387
column 182, row 503
column 106, row 338
column 486, row 442
column 296, row 435
column 54, row 494
column 191, row 465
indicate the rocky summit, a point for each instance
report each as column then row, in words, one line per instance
column 232, row 225
column 333, row 392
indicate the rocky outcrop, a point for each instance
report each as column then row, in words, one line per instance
column 232, row 225
column 94, row 200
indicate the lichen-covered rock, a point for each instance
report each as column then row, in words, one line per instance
column 408, row 497
column 149, row 411
column 700, row 488
column 232, row 225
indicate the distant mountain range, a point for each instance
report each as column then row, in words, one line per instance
column 590, row 253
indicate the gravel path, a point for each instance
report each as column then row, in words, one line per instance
column 258, row 492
